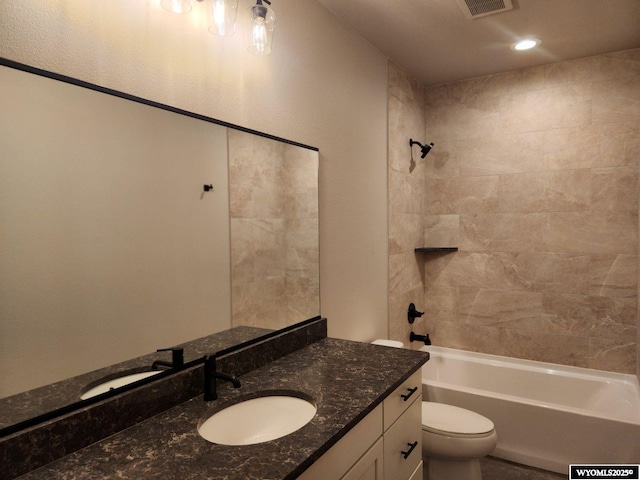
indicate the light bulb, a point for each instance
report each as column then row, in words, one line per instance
column 261, row 29
column 259, row 35
column 176, row 6
column 526, row 44
column 224, row 17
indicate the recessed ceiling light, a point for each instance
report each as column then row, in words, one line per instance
column 526, row 44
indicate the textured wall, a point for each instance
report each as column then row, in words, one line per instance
column 535, row 172
column 323, row 85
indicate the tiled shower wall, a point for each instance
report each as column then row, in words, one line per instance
column 406, row 177
column 273, row 196
column 534, row 176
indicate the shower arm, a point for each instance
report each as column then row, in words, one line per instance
column 425, row 149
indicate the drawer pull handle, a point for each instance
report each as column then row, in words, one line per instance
column 408, row 452
column 408, row 395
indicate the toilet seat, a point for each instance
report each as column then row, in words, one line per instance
column 453, row 421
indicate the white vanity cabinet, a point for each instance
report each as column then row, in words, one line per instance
column 385, row 445
column 402, row 412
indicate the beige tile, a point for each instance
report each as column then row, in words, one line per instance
column 497, row 270
column 560, row 107
column 442, row 231
column 554, row 272
column 399, row 327
column 405, row 273
column 596, row 232
column 441, row 303
column 554, row 191
column 472, row 118
column 501, row 154
column 500, row 232
column 500, row 308
column 617, row 100
column 407, row 193
column 443, row 160
column 487, row 339
column 546, row 347
column 405, row 232
column 597, row 68
column 462, row 195
column 589, row 316
column 631, row 54
column 614, row 275
column 613, row 355
column 591, row 146
column 615, row 188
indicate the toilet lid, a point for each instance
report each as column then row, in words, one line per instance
column 447, row 418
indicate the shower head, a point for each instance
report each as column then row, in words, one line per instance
column 423, row 148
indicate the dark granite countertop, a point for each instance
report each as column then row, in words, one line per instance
column 346, row 380
column 26, row 405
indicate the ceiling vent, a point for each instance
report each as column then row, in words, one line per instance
column 482, row 8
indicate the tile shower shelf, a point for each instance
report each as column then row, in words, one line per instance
column 435, row 249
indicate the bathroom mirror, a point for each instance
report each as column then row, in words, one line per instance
column 128, row 226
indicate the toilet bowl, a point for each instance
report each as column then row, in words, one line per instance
column 453, row 440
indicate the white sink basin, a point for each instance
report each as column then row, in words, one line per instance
column 117, row 382
column 257, row 420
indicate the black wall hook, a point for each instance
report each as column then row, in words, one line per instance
column 208, row 187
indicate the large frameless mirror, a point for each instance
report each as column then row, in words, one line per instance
column 128, row 226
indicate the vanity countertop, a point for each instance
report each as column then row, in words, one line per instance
column 346, row 379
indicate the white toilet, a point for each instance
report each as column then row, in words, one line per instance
column 454, row 439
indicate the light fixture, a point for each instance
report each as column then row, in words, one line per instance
column 224, row 17
column 261, row 20
column 177, row 6
column 262, row 23
column 526, row 44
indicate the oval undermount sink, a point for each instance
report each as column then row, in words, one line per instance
column 258, row 420
column 116, row 383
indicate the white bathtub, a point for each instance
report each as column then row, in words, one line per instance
column 546, row 415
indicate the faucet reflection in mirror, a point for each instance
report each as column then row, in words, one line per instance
column 261, row 20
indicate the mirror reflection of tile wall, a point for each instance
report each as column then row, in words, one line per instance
column 274, row 231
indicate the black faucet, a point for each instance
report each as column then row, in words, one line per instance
column 420, row 338
column 177, row 359
column 210, row 376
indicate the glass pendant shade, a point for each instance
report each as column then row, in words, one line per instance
column 262, row 24
column 224, row 17
column 177, row 6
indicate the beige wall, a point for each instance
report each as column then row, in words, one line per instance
column 102, row 234
column 323, row 85
column 535, row 173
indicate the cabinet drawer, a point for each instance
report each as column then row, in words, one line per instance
column 404, row 439
column 401, row 398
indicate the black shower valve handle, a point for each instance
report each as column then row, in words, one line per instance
column 412, row 313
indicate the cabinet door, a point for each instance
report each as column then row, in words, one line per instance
column 403, row 444
column 340, row 458
column 417, row 473
column 370, row 465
